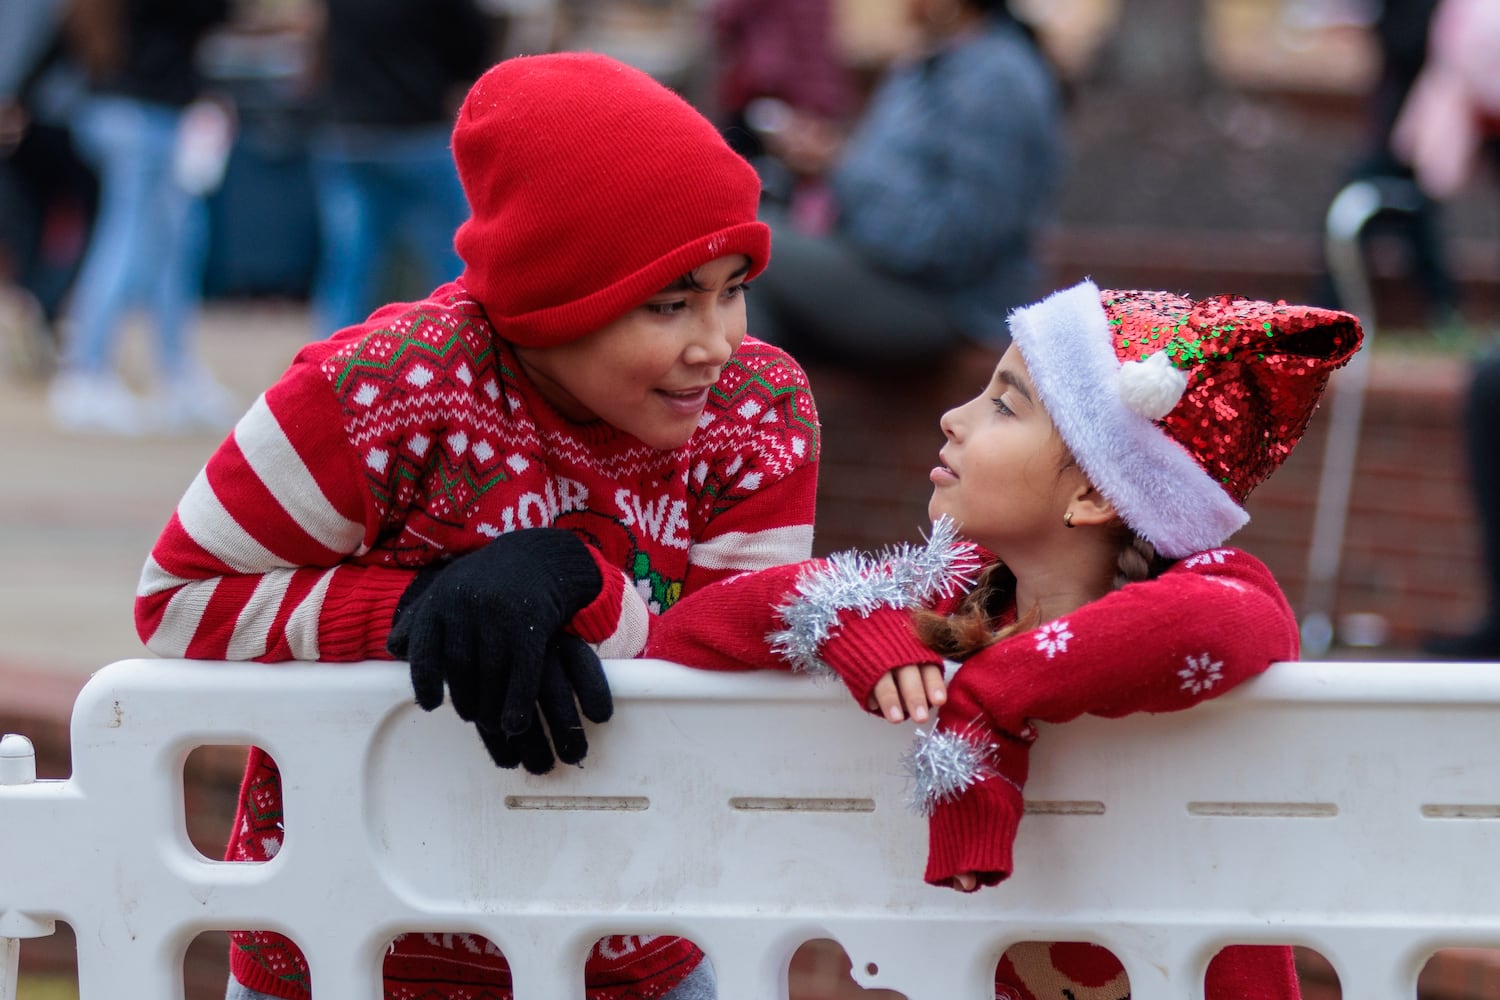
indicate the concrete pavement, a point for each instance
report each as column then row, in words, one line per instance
column 78, row 514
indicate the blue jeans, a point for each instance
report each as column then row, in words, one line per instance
column 377, row 188
column 699, row 985
column 149, row 239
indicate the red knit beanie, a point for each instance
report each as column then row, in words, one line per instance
column 591, row 187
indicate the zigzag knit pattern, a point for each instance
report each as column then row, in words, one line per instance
column 440, row 417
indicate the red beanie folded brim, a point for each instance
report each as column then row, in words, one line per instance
column 570, row 320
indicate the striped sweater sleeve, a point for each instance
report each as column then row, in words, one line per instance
column 253, row 564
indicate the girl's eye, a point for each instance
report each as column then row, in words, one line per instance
column 999, row 402
column 666, row 308
column 735, row 291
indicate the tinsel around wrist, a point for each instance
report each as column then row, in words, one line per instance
column 943, row 764
column 905, row 576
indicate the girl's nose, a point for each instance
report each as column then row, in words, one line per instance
column 947, row 423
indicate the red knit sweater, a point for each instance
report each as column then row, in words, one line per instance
column 1229, row 621
column 415, row 438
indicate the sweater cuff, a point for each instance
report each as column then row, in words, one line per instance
column 598, row 620
column 355, row 622
column 864, row 649
column 975, row 833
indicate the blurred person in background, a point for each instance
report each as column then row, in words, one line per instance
column 935, row 202
column 1400, row 30
column 1448, row 128
column 1481, row 422
column 782, row 54
column 1450, row 120
column 48, row 194
column 158, row 150
column 389, row 77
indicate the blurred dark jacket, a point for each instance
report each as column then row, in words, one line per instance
column 144, row 49
column 399, row 62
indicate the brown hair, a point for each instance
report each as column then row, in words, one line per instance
column 969, row 629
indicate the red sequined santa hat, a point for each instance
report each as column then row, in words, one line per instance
column 591, row 187
column 1177, row 409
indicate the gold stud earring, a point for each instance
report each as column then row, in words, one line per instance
column 1068, row 519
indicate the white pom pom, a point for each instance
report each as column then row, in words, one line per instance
column 1152, row 385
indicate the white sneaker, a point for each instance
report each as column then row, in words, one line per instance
column 99, row 403
column 195, row 401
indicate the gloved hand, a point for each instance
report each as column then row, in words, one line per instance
column 572, row 671
column 490, row 626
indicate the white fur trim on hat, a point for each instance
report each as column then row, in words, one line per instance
column 1155, row 484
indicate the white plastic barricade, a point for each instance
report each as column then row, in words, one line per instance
column 1350, row 807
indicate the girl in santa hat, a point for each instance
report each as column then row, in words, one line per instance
column 1084, row 496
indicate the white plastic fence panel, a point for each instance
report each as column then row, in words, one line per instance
column 1350, row 807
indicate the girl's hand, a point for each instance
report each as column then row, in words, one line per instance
column 911, row 691
column 964, row 882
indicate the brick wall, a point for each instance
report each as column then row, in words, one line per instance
column 1411, row 548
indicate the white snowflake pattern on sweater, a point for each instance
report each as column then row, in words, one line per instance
column 1052, row 638
column 1208, row 557
column 1201, row 673
column 621, row 945
column 643, row 589
column 471, row 943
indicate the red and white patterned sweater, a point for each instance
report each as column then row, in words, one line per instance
column 415, row 438
column 1208, row 623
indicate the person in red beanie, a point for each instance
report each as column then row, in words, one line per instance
column 1077, row 564
column 513, row 477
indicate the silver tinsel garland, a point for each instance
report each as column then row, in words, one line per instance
column 905, row 576
column 943, row 764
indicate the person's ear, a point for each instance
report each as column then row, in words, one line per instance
column 1089, row 506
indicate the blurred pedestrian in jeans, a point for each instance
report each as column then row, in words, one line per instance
column 936, row 199
column 390, row 76
column 155, row 161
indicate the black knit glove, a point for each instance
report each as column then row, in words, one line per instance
column 572, row 671
column 490, row 626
